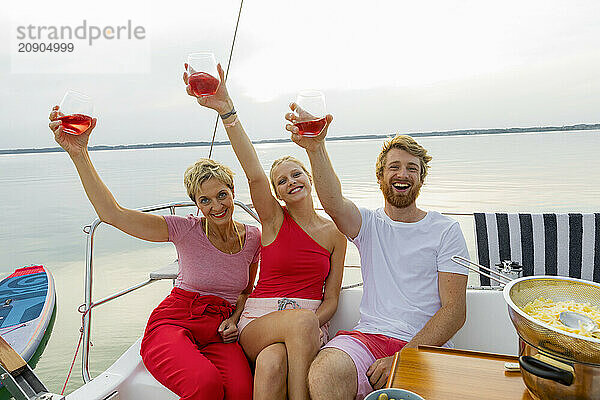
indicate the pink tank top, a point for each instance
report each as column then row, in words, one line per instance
column 294, row 265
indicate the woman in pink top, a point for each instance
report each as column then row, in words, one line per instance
column 190, row 342
column 302, row 261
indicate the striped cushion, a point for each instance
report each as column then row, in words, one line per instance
column 545, row 244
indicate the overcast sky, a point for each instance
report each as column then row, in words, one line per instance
column 384, row 66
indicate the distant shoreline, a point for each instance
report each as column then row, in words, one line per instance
column 578, row 127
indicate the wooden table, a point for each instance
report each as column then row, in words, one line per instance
column 441, row 374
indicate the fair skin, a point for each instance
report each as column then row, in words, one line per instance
column 283, row 343
column 213, row 198
column 401, row 172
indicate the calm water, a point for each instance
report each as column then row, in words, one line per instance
column 44, row 210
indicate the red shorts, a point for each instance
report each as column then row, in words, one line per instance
column 380, row 346
column 182, row 349
column 364, row 349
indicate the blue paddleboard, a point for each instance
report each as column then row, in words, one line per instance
column 27, row 305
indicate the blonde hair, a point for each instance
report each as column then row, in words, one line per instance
column 201, row 171
column 408, row 144
column 280, row 161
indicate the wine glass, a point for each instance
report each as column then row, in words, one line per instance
column 310, row 107
column 203, row 76
column 76, row 112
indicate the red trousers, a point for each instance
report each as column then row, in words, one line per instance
column 182, row 349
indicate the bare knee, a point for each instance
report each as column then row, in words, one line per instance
column 320, row 370
column 303, row 323
column 271, row 363
column 332, row 373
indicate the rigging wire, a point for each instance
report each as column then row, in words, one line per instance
column 226, row 74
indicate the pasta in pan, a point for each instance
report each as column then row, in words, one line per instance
column 547, row 311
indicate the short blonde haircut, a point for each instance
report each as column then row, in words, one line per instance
column 408, row 144
column 203, row 170
column 280, row 161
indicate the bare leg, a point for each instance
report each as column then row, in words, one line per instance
column 332, row 375
column 299, row 331
column 270, row 375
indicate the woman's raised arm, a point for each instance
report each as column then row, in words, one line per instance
column 136, row 223
column 268, row 208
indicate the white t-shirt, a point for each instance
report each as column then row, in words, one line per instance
column 400, row 263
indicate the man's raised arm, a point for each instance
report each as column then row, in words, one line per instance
column 344, row 213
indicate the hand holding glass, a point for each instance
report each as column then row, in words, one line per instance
column 77, row 112
column 310, row 106
column 203, row 75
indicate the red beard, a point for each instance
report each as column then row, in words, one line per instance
column 400, row 200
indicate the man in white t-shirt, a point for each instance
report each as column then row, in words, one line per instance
column 413, row 293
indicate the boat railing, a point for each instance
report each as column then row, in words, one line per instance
column 168, row 272
column 89, row 304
